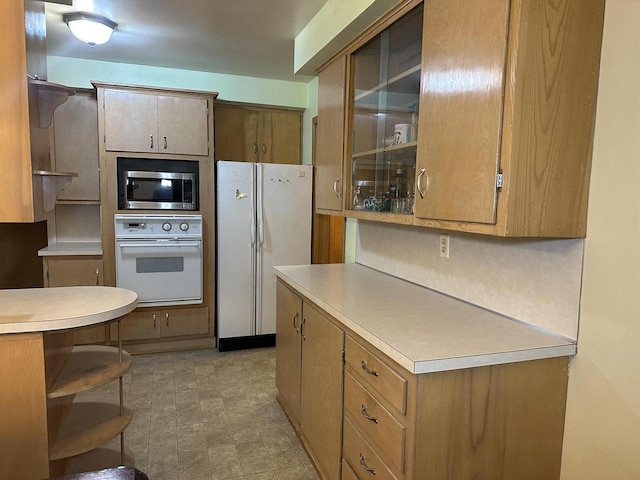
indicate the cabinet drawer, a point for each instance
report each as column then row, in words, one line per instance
column 387, row 434
column 359, row 454
column 368, row 367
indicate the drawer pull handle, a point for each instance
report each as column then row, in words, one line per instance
column 363, row 411
column 297, row 329
column 368, row 370
column 369, row 469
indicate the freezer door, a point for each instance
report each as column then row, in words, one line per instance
column 284, row 213
column 236, row 245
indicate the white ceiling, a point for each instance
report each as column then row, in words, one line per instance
column 241, row 37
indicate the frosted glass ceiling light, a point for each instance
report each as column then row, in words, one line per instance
column 90, row 28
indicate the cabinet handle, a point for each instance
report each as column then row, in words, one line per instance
column 166, row 315
column 164, row 137
column 368, row 370
column 255, row 147
column 418, row 183
column 154, row 320
column 363, row 411
column 304, row 320
column 295, row 317
column 151, row 142
column 369, row 469
column 264, row 149
column 335, row 187
column 97, row 276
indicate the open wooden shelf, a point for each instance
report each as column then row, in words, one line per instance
column 89, row 425
column 98, row 459
column 52, row 184
column 50, row 96
column 88, row 367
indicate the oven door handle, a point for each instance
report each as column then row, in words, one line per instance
column 159, row 244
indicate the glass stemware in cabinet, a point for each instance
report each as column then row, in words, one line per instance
column 385, row 96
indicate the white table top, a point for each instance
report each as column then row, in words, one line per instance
column 60, row 308
column 421, row 329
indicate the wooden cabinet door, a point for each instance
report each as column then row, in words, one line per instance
column 461, row 105
column 76, row 146
column 330, row 138
column 185, row 321
column 281, row 138
column 235, row 134
column 183, row 125
column 130, row 121
column 321, row 391
column 71, row 272
column 288, row 349
column 140, row 325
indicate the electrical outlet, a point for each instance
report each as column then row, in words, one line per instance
column 444, row 246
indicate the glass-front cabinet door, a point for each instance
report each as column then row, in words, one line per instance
column 385, row 94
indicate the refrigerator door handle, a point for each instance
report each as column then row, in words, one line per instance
column 259, row 212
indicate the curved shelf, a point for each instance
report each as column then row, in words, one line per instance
column 52, row 184
column 50, row 96
column 98, row 459
column 88, row 367
column 88, row 425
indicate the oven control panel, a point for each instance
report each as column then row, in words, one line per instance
column 158, row 226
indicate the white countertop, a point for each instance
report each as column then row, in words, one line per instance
column 71, row 248
column 60, row 308
column 423, row 330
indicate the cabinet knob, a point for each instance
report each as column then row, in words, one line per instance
column 166, row 316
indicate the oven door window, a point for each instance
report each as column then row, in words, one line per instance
column 159, row 264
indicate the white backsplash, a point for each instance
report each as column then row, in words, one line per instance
column 534, row 281
column 77, row 223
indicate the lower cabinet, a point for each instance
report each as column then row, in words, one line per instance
column 368, row 417
column 150, row 324
column 309, row 377
column 73, row 271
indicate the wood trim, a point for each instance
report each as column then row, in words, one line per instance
column 257, row 106
column 151, row 89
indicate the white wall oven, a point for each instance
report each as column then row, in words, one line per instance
column 160, row 258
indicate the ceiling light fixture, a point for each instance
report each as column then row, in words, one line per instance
column 90, row 28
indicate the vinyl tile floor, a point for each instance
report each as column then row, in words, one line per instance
column 206, row 415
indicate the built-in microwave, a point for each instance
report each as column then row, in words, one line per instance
column 156, row 184
column 159, row 190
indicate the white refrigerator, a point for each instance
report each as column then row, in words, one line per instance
column 263, row 214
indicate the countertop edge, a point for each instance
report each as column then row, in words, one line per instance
column 430, row 366
column 79, row 321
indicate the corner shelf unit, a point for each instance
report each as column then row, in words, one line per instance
column 91, row 421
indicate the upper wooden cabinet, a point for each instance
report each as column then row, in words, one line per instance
column 248, row 133
column 26, row 111
column 148, row 122
column 330, row 136
column 505, row 116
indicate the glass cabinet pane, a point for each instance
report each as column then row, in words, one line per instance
column 385, row 99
